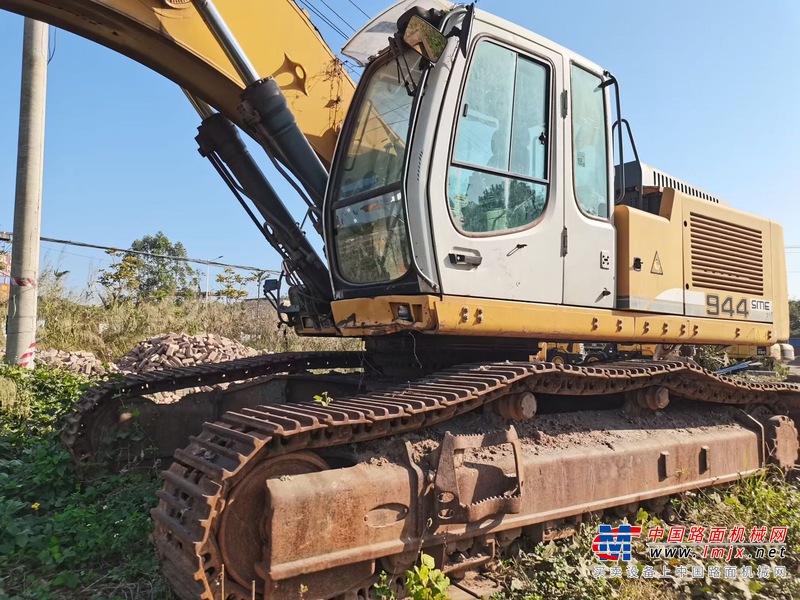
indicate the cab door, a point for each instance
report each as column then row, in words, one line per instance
column 589, row 235
column 498, row 227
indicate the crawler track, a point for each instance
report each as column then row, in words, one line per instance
column 198, row 487
column 103, row 401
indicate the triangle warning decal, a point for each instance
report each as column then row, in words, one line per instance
column 656, row 268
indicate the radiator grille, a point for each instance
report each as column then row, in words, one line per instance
column 726, row 256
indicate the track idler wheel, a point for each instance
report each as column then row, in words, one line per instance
column 595, row 357
column 244, row 526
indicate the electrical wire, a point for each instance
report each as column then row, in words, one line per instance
column 53, row 44
column 359, row 8
column 340, row 17
column 353, row 68
column 5, row 236
column 325, row 19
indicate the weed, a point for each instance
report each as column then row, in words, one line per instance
column 425, row 581
column 323, row 399
column 774, row 364
column 562, row 570
column 63, row 534
column 711, row 357
column 556, row 571
column 383, row 589
column 79, row 322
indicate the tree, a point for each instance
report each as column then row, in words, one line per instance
column 794, row 318
column 232, row 285
column 150, row 276
column 120, row 279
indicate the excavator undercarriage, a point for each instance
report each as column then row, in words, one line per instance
column 279, row 493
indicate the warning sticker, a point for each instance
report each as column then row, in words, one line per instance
column 656, row 268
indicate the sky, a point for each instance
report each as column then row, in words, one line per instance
column 710, row 89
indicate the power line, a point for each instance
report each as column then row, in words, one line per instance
column 6, row 237
column 325, row 19
column 341, row 18
column 53, row 44
column 352, row 67
column 54, row 248
column 359, row 8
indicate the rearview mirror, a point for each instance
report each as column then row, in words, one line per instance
column 271, row 285
column 424, row 39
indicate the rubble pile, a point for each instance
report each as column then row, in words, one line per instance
column 85, row 363
column 176, row 350
column 169, row 351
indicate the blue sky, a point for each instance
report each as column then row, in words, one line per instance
column 710, row 88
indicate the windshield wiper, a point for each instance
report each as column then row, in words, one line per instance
column 399, row 57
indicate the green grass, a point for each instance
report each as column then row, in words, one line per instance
column 65, row 533
column 564, row 569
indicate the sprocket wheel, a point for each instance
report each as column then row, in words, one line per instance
column 780, row 436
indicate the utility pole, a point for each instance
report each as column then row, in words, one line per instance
column 21, row 323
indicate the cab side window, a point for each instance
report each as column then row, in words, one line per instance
column 498, row 176
column 589, row 149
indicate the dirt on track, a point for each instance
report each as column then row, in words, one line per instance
column 553, row 432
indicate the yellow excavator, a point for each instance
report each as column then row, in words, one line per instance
column 470, row 209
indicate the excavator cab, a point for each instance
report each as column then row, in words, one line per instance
column 466, row 175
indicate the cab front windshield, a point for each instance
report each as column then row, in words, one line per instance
column 369, row 215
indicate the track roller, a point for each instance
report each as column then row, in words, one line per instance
column 653, row 397
column 517, row 407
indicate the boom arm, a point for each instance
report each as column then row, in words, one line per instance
column 171, row 37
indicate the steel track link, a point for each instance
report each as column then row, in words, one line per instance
column 77, row 430
column 198, row 483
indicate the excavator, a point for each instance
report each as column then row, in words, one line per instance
column 470, row 208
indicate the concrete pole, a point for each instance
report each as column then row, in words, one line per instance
column 21, row 324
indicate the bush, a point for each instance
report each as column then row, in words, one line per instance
column 74, row 322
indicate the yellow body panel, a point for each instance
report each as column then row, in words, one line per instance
column 654, row 242
column 742, row 351
column 701, row 259
column 780, row 284
column 707, row 232
column 453, row 315
column 170, row 37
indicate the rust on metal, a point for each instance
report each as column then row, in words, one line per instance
column 326, row 528
column 459, row 498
